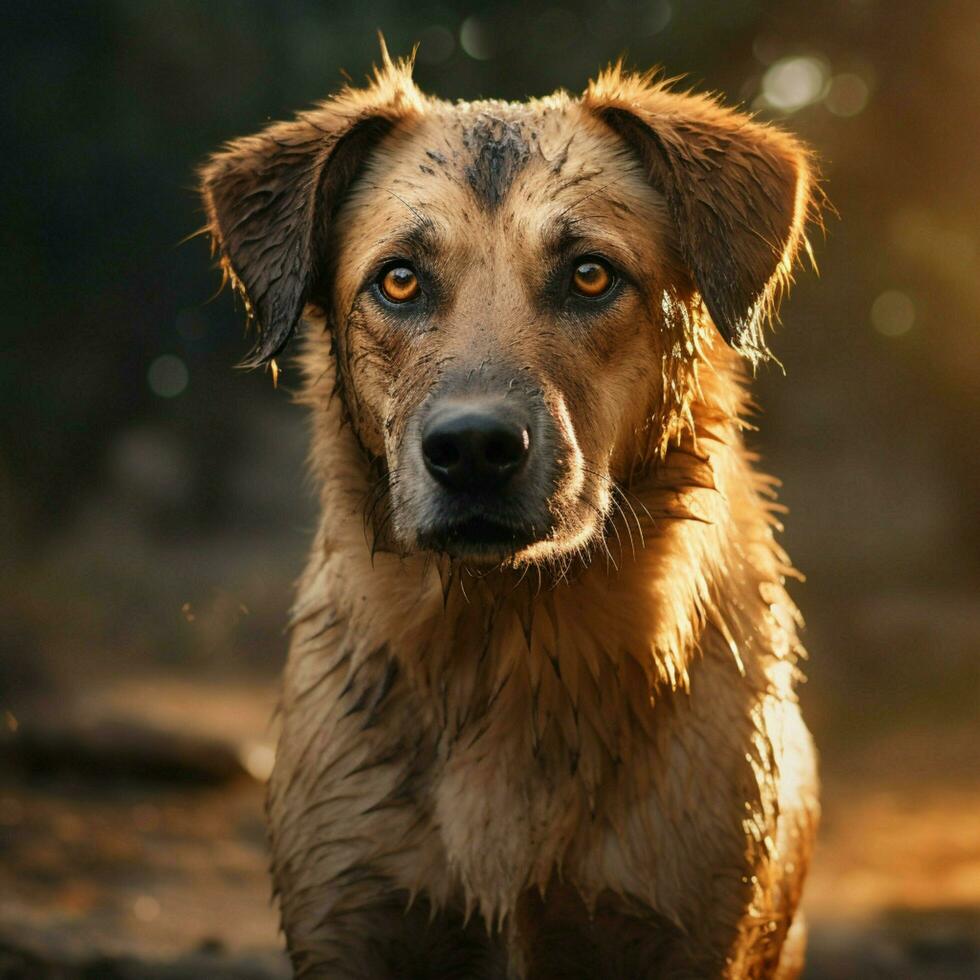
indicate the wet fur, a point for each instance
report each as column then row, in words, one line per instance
column 586, row 760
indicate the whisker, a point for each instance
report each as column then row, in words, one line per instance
column 419, row 218
column 586, row 197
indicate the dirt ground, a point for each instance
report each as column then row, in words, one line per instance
column 132, row 846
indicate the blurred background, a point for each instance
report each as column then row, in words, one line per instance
column 153, row 509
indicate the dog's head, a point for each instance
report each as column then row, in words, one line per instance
column 519, row 295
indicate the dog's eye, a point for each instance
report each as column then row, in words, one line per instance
column 399, row 284
column 591, row 278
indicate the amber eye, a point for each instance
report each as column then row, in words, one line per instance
column 591, row 278
column 400, row 284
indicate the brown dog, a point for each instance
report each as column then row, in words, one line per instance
column 538, row 715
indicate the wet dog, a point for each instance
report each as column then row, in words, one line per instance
column 538, row 715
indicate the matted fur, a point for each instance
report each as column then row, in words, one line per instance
column 586, row 758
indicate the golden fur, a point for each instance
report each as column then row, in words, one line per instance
column 583, row 758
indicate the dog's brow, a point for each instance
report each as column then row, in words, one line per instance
column 599, row 191
column 416, row 239
column 561, row 237
column 421, row 219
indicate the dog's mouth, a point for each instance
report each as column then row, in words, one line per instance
column 478, row 537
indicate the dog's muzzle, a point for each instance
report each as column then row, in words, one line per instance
column 487, row 472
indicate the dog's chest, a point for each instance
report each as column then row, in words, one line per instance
column 515, row 811
column 514, row 814
column 505, row 820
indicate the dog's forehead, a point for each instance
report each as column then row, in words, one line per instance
column 496, row 142
column 490, row 154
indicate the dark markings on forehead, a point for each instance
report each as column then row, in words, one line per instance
column 498, row 152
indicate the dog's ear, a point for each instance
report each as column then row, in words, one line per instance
column 270, row 198
column 739, row 193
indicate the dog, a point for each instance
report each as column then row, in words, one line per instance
column 538, row 716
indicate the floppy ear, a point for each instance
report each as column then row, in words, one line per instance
column 739, row 194
column 270, row 198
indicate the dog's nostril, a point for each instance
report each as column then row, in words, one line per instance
column 441, row 451
column 473, row 448
column 506, row 448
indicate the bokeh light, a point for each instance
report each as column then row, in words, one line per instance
column 656, row 17
column 892, row 313
column 436, row 45
column 848, row 94
column 792, row 83
column 167, row 376
column 146, row 908
column 475, row 39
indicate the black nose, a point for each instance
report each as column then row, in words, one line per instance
column 474, row 447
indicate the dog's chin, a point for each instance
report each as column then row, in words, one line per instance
column 492, row 537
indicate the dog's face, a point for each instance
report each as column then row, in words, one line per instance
column 518, row 293
column 498, row 274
